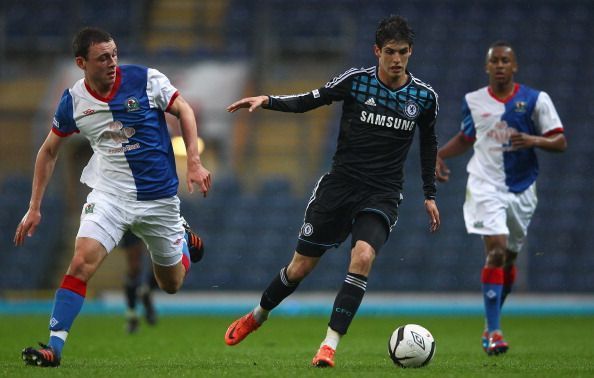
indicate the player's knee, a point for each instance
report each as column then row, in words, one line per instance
column 298, row 270
column 496, row 257
column 80, row 268
column 170, row 286
column 362, row 257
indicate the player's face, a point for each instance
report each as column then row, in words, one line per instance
column 501, row 65
column 100, row 65
column 393, row 59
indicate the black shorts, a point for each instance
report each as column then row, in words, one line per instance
column 333, row 207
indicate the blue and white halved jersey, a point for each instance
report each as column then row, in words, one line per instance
column 489, row 122
column 133, row 156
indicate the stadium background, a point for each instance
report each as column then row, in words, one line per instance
column 264, row 164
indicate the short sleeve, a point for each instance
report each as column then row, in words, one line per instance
column 545, row 115
column 467, row 126
column 63, row 123
column 160, row 91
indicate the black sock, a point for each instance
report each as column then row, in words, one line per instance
column 277, row 290
column 347, row 302
column 130, row 289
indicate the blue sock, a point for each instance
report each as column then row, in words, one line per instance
column 492, row 280
column 67, row 305
column 492, row 296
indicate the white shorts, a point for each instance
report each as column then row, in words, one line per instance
column 158, row 223
column 492, row 211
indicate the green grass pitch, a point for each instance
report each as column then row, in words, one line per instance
column 193, row 346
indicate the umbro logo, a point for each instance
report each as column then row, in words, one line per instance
column 370, row 102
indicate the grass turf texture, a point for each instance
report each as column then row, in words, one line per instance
column 193, row 346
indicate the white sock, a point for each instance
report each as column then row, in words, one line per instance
column 332, row 338
column 260, row 314
column 61, row 334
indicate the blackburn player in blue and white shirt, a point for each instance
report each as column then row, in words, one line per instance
column 121, row 111
column 505, row 122
column 382, row 108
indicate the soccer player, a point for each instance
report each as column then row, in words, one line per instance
column 505, row 122
column 120, row 110
column 383, row 106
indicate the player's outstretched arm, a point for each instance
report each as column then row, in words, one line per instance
column 44, row 169
column 249, row 102
column 433, row 213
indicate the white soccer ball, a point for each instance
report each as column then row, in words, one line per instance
column 411, row 346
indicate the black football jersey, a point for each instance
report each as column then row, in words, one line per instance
column 377, row 126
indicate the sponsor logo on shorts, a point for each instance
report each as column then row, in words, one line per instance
column 478, row 224
column 307, row 229
column 89, row 208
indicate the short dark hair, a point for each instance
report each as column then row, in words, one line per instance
column 86, row 37
column 501, row 43
column 394, row 28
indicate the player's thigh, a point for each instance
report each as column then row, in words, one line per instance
column 520, row 212
column 160, row 227
column 485, row 208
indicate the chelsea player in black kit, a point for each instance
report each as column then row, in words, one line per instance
column 383, row 106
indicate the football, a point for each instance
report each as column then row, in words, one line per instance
column 411, row 346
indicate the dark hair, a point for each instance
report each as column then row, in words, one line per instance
column 500, row 43
column 87, row 37
column 394, row 28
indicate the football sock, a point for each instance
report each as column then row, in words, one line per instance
column 67, row 304
column 186, row 262
column 277, row 290
column 332, row 338
column 347, row 302
column 509, row 277
column 130, row 289
column 492, row 280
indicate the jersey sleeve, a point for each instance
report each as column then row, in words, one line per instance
column 428, row 149
column 63, row 123
column 160, row 91
column 334, row 90
column 545, row 116
column 467, row 126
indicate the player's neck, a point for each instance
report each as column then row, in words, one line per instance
column 393, row 82
column 502, row 90
column 101, row 90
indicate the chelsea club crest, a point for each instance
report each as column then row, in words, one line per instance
column 411, row 109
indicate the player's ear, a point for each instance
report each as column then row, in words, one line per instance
column 377, row 51
column 80, row 62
